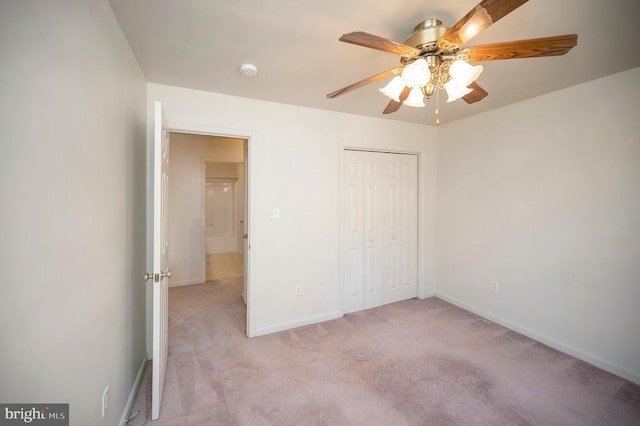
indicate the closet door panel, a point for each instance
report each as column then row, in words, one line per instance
column 409, row 225
column 393, row 207
column 374, row 227
column 353, row 233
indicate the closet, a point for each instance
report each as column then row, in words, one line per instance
column 379, row 238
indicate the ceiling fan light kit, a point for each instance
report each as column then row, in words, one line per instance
column 432, row 58
column 455, row 90
column 393, row 89
column 416, row 74
column 415, row 98
column 464, row 73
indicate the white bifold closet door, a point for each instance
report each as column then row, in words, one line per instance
column 379, row 229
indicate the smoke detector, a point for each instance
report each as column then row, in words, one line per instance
column 248, row 70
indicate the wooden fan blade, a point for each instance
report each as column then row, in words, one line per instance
column 379, row 43
column 476, row 95
column 373, row 78
column 487, row 12
column 533, row 48
column 393, row 106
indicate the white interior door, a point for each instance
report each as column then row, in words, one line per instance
column 161, row 271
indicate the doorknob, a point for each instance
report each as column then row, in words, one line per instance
column 245, row 236
column 157, row 277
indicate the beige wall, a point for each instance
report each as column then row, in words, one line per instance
column 222, row 170
column 544, row 197
column 72, row 181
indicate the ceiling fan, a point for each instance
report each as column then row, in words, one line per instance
column 433, row 58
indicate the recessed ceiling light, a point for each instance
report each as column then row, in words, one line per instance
column 248, row 70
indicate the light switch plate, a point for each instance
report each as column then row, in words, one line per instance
column 274, row 213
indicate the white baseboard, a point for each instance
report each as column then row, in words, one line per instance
column 134, row 391
column 188, row 282
column 297, row 323
column 591, row 359
column 428, row 295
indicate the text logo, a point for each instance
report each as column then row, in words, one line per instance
column 34, row 414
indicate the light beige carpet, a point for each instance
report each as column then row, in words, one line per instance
column 417, row 362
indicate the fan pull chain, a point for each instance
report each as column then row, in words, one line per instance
column 437, row 107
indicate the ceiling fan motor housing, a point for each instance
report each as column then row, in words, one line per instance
column 426, row 34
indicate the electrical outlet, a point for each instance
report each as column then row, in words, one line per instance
column 298, row 290
column 105, row 400
column 494, row 286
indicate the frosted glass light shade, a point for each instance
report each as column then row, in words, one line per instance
column 456, row 90
column 464, row 73
column 393, row 89
column 415, row 98
column 416, row 74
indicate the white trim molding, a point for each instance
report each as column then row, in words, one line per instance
column 134, row 391
column 298, row 323
column 569, row 350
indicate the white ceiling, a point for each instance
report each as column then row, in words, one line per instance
column 199, row 44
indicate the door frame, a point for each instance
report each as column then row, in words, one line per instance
column 423, row 220
column 250, row 164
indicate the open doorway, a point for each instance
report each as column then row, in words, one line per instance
column 208, row 218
